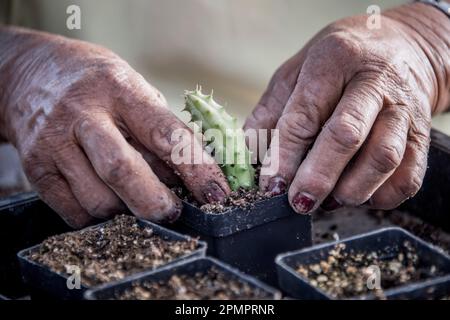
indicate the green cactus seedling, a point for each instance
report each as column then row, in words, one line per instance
column 229, row 146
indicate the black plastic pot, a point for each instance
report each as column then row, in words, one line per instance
column 432, row 202
column 249, row 239
column 299, row 287
column 187, row 267
column 45, row 283
column 436, row 289
column 24, row 221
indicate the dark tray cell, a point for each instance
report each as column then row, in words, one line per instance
column 299, row 287
column 45, row 283
column 187, row 267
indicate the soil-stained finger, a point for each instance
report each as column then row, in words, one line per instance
column 151, row 123
column 125, row 171
column 379, row 157
column 55, row 191
column 335, row 146
column 91, row 192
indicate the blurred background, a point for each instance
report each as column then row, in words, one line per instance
column 233, row 46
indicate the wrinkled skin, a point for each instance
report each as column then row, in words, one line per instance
column 93, row 135
column 353, row 109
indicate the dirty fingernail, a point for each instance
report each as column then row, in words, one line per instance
column 303, row 203
column 213, row 193
column 277, row 186
column 330, row 204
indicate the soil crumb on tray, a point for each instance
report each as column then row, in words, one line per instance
column 108, row 253
column 346, row 274
column 210, row 285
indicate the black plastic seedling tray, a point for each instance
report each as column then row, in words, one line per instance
column 250, row 239
column 45, row 283
column 436, row 289
column 24, row 221
column 298, row 287
column 186, row 267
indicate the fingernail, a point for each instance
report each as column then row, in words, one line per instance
column 277, row 186
column 330, row 204
column 213, row 193
column 303, row 203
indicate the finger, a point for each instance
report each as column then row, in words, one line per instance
column 407, row 179
column 339, row 140
column 270, row 107
column 55, row 191
column 125, row 171
column 90, row 191
column 160, row 131
column 379, row 157
column 317, row 91
column 160, row 168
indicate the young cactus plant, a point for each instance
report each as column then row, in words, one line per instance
column 229, row 146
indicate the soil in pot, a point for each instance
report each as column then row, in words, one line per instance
column 212, row 284
column 345, row 273
column 241, row 198
column 110, row 252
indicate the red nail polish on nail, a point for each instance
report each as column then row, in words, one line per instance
column 277, row 186
column 302, row 203
column 330, row 204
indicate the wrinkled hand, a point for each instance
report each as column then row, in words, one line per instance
column 93, row 135
column 353, row 110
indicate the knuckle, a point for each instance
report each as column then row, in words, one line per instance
column 84, row 123
column 346, row 133
column 167, row 134
column 38, row 171
column 114, row 75
column 298, row 127
column 118, row 170
column 280, row 75
column 386, row 157
column 113, row 71
column 342, row 44
column 410, row 186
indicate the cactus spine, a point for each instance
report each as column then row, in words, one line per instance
column 229, row 146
